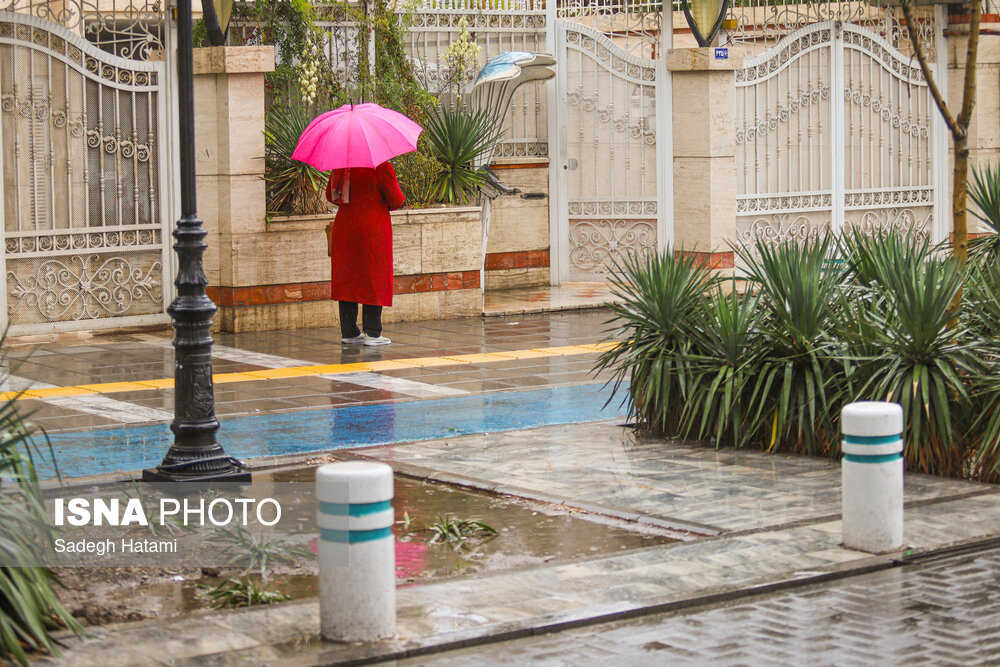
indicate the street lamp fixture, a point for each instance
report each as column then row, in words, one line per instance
column 705, row 18
column 216, row 15
column 195, row 454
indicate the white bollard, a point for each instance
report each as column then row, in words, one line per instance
column 872, row 476
column 357, row 556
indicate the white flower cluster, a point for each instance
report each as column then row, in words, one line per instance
column 462, row 55
column 309, row 69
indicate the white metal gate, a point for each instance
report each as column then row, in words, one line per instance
column 610, row 135
column 836, row 130
column 85, row 194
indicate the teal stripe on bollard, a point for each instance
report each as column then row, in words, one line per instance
column 353, row 536
column 354, row 509
column 872, row 440
column 877, row 458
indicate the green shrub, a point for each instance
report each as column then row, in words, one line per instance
column 416, row 172
column 985, row 194
column 292, row 186
column 819, row 324
column 982, row 312
column 29, row 609
column 922, row 361
column 456, row 137
column 724, row 361
column 662, row 296
column 797, row 378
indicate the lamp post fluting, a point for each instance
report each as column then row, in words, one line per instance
column 195, row 454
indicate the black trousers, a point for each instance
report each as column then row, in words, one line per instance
column 371, row 319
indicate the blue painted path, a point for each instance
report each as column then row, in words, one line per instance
column 127, row 449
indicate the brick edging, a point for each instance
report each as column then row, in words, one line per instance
column 530, row 259
column 710, row 260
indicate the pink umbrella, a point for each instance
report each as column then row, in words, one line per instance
column 356, row 135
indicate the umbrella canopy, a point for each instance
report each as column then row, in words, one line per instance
column 356, row 135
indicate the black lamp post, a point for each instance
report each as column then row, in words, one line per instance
column 195, row 454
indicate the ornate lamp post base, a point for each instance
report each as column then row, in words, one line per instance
column 195, row 455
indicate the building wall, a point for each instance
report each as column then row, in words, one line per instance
column 517, row 251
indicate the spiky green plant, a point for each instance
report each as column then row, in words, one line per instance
column 29, row 608
column 985, row 194
column 456, row 138
column 798, row 381
column 922, row 361
column 244, row 592
column 417, row 174
column 292, row 186
column 255, row 550
column 723, row 366
column 447, row 528
column 661, row 295
column 868, row 255
column 982, row 296
column 982, row 312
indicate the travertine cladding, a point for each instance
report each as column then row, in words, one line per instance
column 425, row 241
column 229, row 123
column 504, row 279
column 314, row 314
column 437, row 240
column 984, row 130
column 520, row 224
column 704, row 149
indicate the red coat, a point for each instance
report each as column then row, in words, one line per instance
column 361, row 239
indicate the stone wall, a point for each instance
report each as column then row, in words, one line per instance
column 436, row 255
column 984, row 129
column 517, row 252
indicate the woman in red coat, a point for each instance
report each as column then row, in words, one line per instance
column 360, row 245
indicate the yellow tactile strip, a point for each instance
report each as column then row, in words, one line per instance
column 324, row 369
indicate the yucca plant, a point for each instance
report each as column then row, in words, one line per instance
column 417, row 174
column 256, row 550
column 456, row 138
column 29, row 608
column 923, row 362
column 868, row 256
column 661, row 296
column 798, row 382
column 292, row 186
column 982, row 312
column 985, row 194
column 982, row 297
column 724, row 365
column 244, row 592
column 449, row 529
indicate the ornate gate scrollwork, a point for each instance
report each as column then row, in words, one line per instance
column 610, row 152
column 82, row 209
column 835, row 130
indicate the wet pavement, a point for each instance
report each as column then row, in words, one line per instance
column 748, row 523
column 110, row 380
column 945, row 612
column 784, row 551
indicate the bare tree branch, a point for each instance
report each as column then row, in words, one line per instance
column 918, row 48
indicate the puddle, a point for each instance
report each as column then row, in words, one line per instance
column 528, row 534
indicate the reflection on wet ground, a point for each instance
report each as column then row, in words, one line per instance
column 528, row 534
column 291, row 433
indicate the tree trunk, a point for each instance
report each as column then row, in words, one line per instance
column 960, row 230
